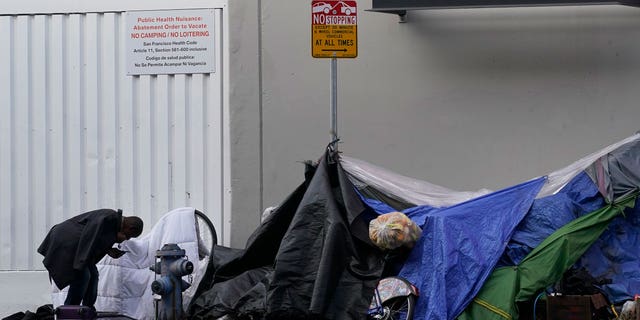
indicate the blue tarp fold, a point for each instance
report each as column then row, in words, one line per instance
column 460, row 247
column 579, row 197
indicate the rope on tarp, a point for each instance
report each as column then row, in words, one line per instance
column 332, row 147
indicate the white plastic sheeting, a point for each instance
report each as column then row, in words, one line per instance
column 420, row 192
column 559, row 178
column 125, row 283
column 409, row 189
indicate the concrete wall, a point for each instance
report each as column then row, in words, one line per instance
column 245, row 119
column 463, row 98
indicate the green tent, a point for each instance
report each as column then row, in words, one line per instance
column 543, row 267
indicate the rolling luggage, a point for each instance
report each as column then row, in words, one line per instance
column 75, row 312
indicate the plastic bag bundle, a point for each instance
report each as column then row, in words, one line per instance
column 393, row 230
column 629, row 310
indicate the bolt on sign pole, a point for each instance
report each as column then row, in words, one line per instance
column 334, row 35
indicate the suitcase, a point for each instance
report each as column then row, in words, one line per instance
column 569, row 307
column 75, row 312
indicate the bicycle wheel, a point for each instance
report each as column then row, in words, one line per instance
column 207, row 236
column 399, row 308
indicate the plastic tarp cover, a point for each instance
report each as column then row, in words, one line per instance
column 407, row 191
column 399, row 192
column 559, row 178
column 460, row 247
column 550, row 213
column 445, row 264
column 617, row 173
column 567, row 194
column 317, row 242
column 542, row 267
column 243, row 295
column 125, row 283
column 615, row 256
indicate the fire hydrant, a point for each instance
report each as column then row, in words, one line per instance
column 171, row 264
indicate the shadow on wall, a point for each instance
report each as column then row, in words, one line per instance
column 535, row 39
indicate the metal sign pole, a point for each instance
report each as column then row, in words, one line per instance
column 334, row 34
column 334, row 101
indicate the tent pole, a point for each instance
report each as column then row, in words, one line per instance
column 334, row 101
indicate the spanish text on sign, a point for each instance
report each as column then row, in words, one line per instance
column 170, row 42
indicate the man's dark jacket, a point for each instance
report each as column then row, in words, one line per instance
column 78, row 242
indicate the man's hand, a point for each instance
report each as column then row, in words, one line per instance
column 115, row 253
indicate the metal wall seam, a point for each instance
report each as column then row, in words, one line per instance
column 6, row 175
column 20, row 144
column 217, row 148
column 196, row 131
column 55, row 119
column 108, row 102
column 90, row 106
column 179, row 150
column 160, row 134
column 225, row 115
column 142, row 147
column 125, row 86
column 74, row 191
column 38, row 140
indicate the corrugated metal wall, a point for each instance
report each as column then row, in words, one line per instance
column 77, row 134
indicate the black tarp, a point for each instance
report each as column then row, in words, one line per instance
column 323, row 264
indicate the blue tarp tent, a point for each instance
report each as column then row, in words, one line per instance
column 467, row 234
column 462, row 244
